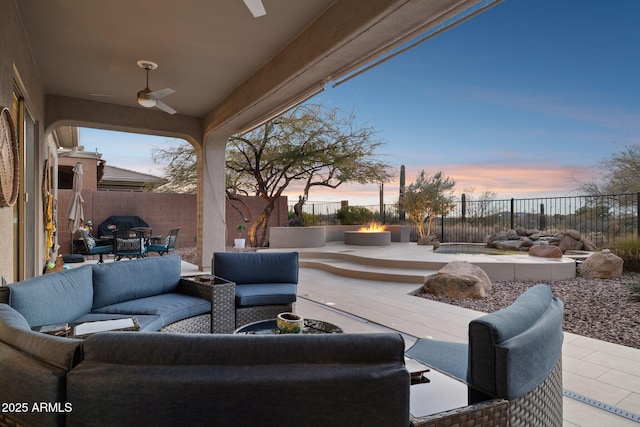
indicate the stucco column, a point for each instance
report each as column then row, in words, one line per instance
column 211, row 212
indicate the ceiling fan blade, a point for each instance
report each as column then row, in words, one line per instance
column 106, row 95
column 157, row 94
column 164, row 107
column 255, row 7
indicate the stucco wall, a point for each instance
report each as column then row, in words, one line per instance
column 16, row 64
column 161, row 211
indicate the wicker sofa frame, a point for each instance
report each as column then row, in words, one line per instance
column 542, row 406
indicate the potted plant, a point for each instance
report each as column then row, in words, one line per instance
column 239, row 242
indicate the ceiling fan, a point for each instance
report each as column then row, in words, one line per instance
column 148, row 98
column 255, row 7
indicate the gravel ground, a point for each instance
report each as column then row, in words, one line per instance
column 596, row 308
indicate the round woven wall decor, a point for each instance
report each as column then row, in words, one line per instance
column 9, row 162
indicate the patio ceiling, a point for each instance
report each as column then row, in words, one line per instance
column 229, row 69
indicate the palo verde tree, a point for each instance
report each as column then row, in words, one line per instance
column 309, row 146
column 427, row 198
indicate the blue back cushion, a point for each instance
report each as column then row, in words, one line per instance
column 256, row 267
column 54, row 298
column 121, row 281
column 513, row 350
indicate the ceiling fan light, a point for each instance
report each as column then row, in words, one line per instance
column 147, row 102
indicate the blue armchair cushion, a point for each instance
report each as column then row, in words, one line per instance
column 256, row 267
column 265, row 294
column 450, row 357
column 129, row 280
column 513, row 350
column 158, row 248
column 169, row 307
column 101, row 250
column 54, row 298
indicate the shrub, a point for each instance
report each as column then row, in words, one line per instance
column 354, row 215
column 310, row 219
column 629, row 251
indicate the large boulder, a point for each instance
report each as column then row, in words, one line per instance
column 545, row 251
column 508, row 245
column 601, row 265
column 459, row 279
column 568, row 243
column 429, row 240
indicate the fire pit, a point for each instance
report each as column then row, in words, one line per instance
column 373, row 235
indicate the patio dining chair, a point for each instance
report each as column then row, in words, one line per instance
column 92, row 246
column 169, row 243
column 128, row 243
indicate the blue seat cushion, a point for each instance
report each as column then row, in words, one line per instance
column 265, row 294
column 130, row 280
column 101, row 250
column 159, row 248
column 146, row 322
column 449, row 357
column 169, row 307
column 54, row 298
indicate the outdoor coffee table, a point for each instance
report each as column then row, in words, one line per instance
column 268, row 327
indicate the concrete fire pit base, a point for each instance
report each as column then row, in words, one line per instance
column 363, row 238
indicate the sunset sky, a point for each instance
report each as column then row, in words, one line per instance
column 522, row 100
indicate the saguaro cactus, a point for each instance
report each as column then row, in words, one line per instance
column 400, row 204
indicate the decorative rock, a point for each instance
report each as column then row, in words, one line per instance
column 429, row 240
column 522, row 240
column 508, row 245
column 588, row 245
column 459, row 279
column 568, row 243
column 545, row 251
column 601, row 265
column 574, row 234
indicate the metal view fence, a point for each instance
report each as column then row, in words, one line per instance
column 601, row 218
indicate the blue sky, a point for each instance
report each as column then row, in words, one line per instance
column 522, row 100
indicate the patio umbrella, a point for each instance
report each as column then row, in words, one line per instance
column 75, row 211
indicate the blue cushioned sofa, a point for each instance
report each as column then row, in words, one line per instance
column 171, row 379
column 266, row 282
column 149, row 289
column 513, row 354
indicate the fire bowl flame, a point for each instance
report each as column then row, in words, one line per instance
column 372, row 235
column 373, row 228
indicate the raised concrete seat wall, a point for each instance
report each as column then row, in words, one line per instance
column 297, row 237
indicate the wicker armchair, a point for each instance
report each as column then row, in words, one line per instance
column 513, row 354
column 266, row 282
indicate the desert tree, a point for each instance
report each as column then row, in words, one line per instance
column 309, row 147
column 427, row 198
column 179, row 159
column 620, row 173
